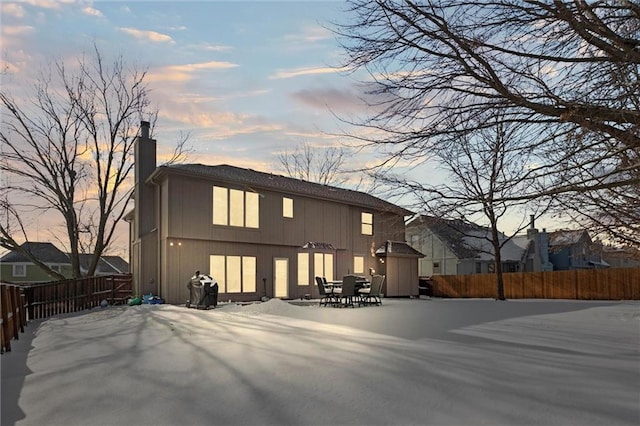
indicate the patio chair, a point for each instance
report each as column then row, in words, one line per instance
column 372, row 293
column 347, row 291
column 326, row 297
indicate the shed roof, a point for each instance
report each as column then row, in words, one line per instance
column 253, row 180
column 397, row 248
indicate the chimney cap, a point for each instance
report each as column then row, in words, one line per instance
column 144, row 129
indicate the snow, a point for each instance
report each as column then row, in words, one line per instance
column 407, row 362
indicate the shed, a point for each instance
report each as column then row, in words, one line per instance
column 399, row 262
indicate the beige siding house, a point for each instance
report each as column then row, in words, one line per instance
column 257, row 234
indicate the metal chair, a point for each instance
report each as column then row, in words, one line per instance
column 325, row 296
column 372, row 293
column 347, row 291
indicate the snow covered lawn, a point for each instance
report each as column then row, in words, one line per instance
column 407, row 362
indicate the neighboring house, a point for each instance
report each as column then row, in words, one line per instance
column 573, row 249
column 455, row 247
column 107, row 265
column 257, row 234
column 535, row 249
column 17, row 268
column 621, row 257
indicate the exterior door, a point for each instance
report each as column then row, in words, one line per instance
column 281, row 277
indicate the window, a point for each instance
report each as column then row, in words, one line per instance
column 234, row 274
column 323, row 265
column 235, row 208
column 478, row 267
column 358, row 264
column 303, row 268
column 287, row 207
column 436, row 267
column 367, row 224
column 19, row 270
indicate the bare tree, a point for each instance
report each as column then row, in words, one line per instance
column 69, row 149
column 569, row 69
column 320, row 165
column 486, row 171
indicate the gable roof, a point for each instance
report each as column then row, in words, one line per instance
column 45, row 252
column 106, row 264
column 252, row 179
column 468, row 240
column 565, row 237
column 397, row 248
column 450, row 232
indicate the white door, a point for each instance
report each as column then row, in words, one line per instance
column 281, row 277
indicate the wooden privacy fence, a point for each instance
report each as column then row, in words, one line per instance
column 12, row 315
column 61, row 297
column 588, row 284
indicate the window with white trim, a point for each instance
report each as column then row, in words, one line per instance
column 20, row 270
column 233, row 207
column 323, row 265
column 358, row 264
column 367, row 223
column 234, row 274
column 303, row 268
column 287, row 207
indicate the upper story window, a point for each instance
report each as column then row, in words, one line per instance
column 19, row 270
column 233, row 207
column 367, row 223
column 287, row 207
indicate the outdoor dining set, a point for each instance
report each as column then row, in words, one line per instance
column 352, row 290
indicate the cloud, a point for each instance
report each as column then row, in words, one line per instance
column 152, row 36
column 310, row 35
column 12, row 9
column 88, row 10
column 280, row 74
column 16, row 30
column 46, row 4
column 185, row 72
column 334, row 99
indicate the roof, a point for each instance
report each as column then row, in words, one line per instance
column 44, row 252
column 253, row 179
column 468, row 240
column 567, row 237
column 397, row 248
column 106, row 264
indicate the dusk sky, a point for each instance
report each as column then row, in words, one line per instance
column 247, row 80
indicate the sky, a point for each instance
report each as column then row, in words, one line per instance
column 247, row 80
column 406, row 362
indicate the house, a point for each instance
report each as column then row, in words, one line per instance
column 573, row 249
column 456, row 247
column 17, row 268
column 535, row 249
column 621, row 257
column 107, row 265
column 258, row 234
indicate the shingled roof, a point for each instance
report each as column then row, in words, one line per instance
column 44, row 252
column 254, row 180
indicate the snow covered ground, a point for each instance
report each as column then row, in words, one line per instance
column 407, row 362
